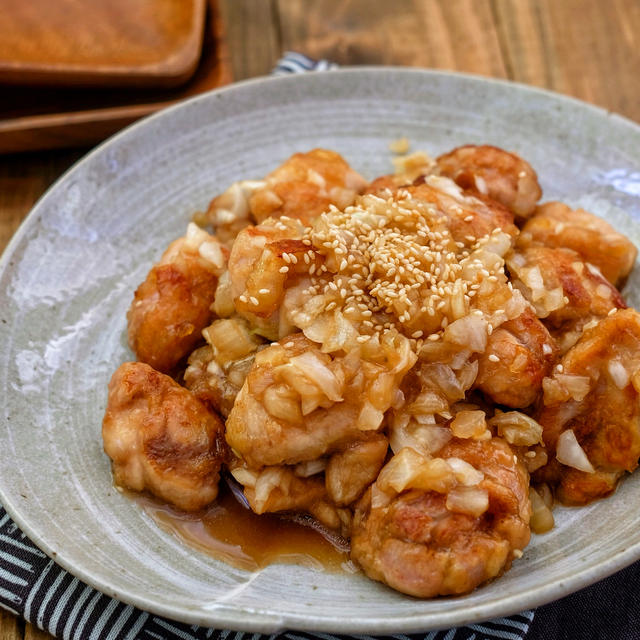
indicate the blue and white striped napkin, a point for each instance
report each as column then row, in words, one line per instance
column 34, row 587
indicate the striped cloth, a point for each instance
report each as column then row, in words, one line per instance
column 34, row 587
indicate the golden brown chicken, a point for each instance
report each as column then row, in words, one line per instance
column 519, row 354
column 494, row 173
column 172, row 306
column 444, row 525
column 299, row 404
column 301, row 188
column 591, row 411
column 264, row 261
column 161, row 438
column 598, row 243
column 468, row 217
column 566, row 292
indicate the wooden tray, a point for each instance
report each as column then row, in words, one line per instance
column 106, row 43
column 43, row 118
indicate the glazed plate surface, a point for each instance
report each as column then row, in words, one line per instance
column 68, row 277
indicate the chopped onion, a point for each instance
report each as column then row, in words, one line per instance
column 441, row 377
column 517, row 428
column 535, row 458
column 473, row 501
column 369, row 418
column 408, row 469
column 428, row 403
column 470, row 331
column 244, row 476
column 565, row 386
column 230, row 339
column 342, row 337
column 195, row 236
column 577, row 386
column 279, row 403
column 435, row 475
column 466, row 474
column 532, row 277
column 211, row 252
column 569, row 452
column 310, row 366
column 541, row 516
column 468, row 374
column 498, row 243
column 469, row 424
column 223, row 305
column 269, row 479
column 310, row 467
column 618, row 373
column 427, row 439
column 379, row 498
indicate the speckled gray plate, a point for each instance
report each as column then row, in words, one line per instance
column 68, row 276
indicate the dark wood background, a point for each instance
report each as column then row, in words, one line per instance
column 589, row 49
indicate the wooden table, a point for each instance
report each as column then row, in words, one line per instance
column 584, row 48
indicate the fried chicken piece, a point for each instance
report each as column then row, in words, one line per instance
column 299, row 404
column 264, row 261
column 598, row 243
column 446, row 532
column 172, row 306
column 566, row 292
column 494, row 173
column 301, row 188
column 468, row 217
column 595, row 395
column 161, row 438
column 519, row 354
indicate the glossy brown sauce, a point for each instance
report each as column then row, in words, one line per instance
column 230, row 532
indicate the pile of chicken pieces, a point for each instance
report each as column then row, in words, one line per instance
column 435, row 435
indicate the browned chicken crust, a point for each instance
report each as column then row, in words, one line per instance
column 606, row 421
column 595, row 240
column 418, row 546
column 519, row 355
column 171, row 307
column 496, row 173
column 161, row 438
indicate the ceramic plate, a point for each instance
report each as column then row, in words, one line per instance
column 68, row 277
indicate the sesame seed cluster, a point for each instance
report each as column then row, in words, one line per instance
column 390, row 262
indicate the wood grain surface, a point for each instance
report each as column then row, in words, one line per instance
column 588, row 49
column 115, row 43
column 43, row 118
